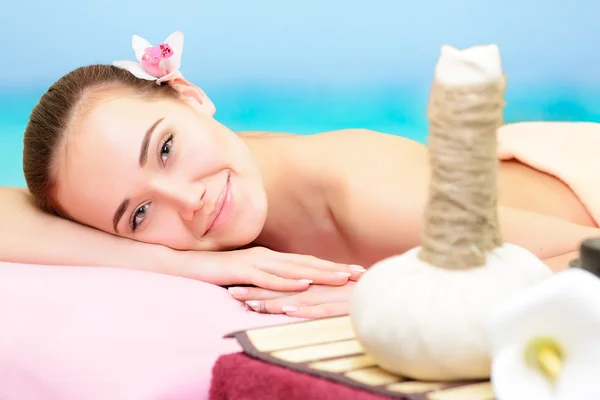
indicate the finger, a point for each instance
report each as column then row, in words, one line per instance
column 315, row 262
column 266, row 280
column 276, row 305
column 251, row 293
column 354, row 270
column 273, row 305
column 298, row 271
column 315, row 295
column 320, row 311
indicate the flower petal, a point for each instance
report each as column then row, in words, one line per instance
column 579, row 380
column 170, row 76
column 175, row 40
column 564, row 308
column 545, row 308
column 139, row 45
column 135, row 68
column 513, row 379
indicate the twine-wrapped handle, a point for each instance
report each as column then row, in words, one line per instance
column 461, row 219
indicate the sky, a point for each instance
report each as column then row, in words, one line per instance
column 304, row 43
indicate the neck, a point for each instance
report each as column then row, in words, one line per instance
column 272, row 157
column 276, row 170
column 290, row 186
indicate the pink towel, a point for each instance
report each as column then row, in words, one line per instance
column 75, row 333
column 566, row 150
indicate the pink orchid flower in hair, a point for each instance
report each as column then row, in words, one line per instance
column 159, row 63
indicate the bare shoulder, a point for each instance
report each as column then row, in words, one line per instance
column 369, row 171
column 366, row 140
column 345, row 156
column 14, row 199
column 358, row 154
column 378, row 191
column 7, row 192
column 263, row 134
column 343, row 141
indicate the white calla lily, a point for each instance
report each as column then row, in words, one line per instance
column 163, row 68
column 545, row 341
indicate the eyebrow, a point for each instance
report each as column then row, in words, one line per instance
column 146, row 142
column 119, row 214
column 142, row 161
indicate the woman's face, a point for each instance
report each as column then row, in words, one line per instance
column 160, row 171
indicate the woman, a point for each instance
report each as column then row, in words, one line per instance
column 149, row 162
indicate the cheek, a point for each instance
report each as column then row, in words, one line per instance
column 166, row 227
column 207, row 154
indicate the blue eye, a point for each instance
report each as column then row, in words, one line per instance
column 138, row 216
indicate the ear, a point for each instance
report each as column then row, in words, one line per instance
column 194, row 95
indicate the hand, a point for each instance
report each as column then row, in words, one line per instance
column 266, row 269
column 318, row 301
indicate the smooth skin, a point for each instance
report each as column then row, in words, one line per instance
column 350, row 196
column 536, row 211
column 28, row 235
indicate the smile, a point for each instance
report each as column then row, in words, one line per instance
column 222, row 207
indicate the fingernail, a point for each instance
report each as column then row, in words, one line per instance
column 289, row 308
column 253, row 304
column 346, row 274
column 237, row 291
column 309, row 281
column 357, row 268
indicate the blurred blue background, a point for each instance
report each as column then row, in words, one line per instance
column 307, row 66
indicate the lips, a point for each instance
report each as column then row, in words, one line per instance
column 218, row 205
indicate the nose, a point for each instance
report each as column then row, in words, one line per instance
column 186, row 197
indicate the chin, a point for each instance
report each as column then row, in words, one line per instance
column 241, row 237
column 248, row 228
column 243, row 228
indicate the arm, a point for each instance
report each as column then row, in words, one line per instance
column 28, row 235
column 381, row 207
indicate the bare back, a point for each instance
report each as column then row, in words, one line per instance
column 528, row 189
column 307, row 177
column 520, row 186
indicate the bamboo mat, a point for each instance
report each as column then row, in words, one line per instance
column 329, row 349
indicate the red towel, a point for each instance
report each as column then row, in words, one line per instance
column 240, row 377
